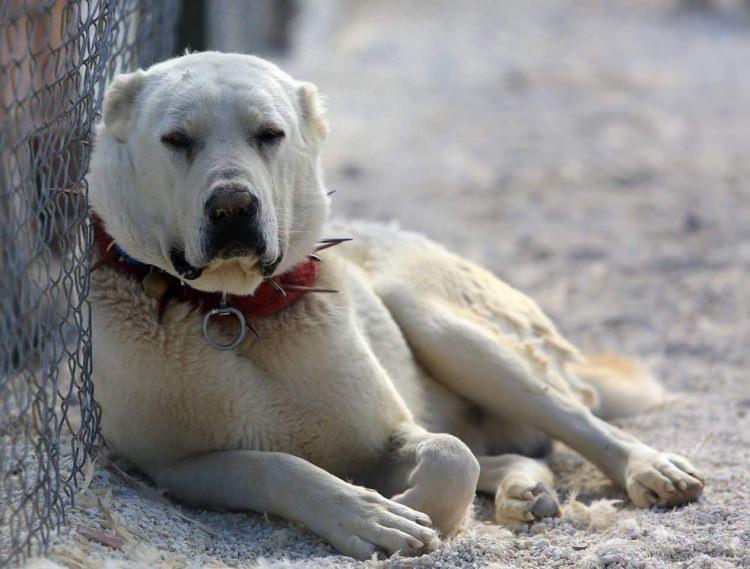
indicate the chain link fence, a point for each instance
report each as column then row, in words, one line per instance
column 55, row 58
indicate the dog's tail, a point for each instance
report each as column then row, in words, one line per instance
column 623, row 387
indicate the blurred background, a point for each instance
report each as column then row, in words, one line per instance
column 595, row 154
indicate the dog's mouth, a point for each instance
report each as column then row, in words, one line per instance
column 186, row 271
column 236, row 258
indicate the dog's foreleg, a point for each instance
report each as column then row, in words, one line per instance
column 431, row 472
column 357, row 521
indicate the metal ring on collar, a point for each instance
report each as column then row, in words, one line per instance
column 225, row 311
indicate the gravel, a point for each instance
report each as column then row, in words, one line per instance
column 595, row 155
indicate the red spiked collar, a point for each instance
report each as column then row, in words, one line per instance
column 271, row 297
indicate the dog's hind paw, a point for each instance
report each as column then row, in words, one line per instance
column 661, row 479
column 522, row 499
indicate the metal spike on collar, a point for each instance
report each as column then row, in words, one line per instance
column 331, row 242
column 108, row 257
column 302, row 288
column 335, row 240
column 277, row 287
column 254, row 330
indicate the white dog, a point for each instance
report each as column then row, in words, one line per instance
column 423, row 380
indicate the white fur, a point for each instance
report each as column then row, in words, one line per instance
column 379, row 384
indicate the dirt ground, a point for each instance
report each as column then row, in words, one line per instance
column 594, row 155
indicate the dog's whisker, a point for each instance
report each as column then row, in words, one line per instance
column 330, row 192
column 314, row 257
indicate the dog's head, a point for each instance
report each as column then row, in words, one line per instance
column 206, row 166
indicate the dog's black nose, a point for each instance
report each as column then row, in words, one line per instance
column 234, row 228
column 231, row 202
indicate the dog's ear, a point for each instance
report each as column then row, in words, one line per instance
column 118, row 103
column 314, row 124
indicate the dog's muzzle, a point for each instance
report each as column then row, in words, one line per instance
column 232, row 228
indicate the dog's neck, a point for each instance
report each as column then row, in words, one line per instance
column 271, row 297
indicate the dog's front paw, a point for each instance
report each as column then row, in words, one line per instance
column 367, row 524
column 661, row 479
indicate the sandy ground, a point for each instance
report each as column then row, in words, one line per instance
column 593, row 154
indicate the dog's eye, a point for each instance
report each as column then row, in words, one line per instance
column 177, row 141
column 269, row 136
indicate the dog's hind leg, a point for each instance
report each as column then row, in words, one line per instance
column 522, row 487
column 493, row 346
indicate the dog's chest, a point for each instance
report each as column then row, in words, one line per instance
column 166, row 393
